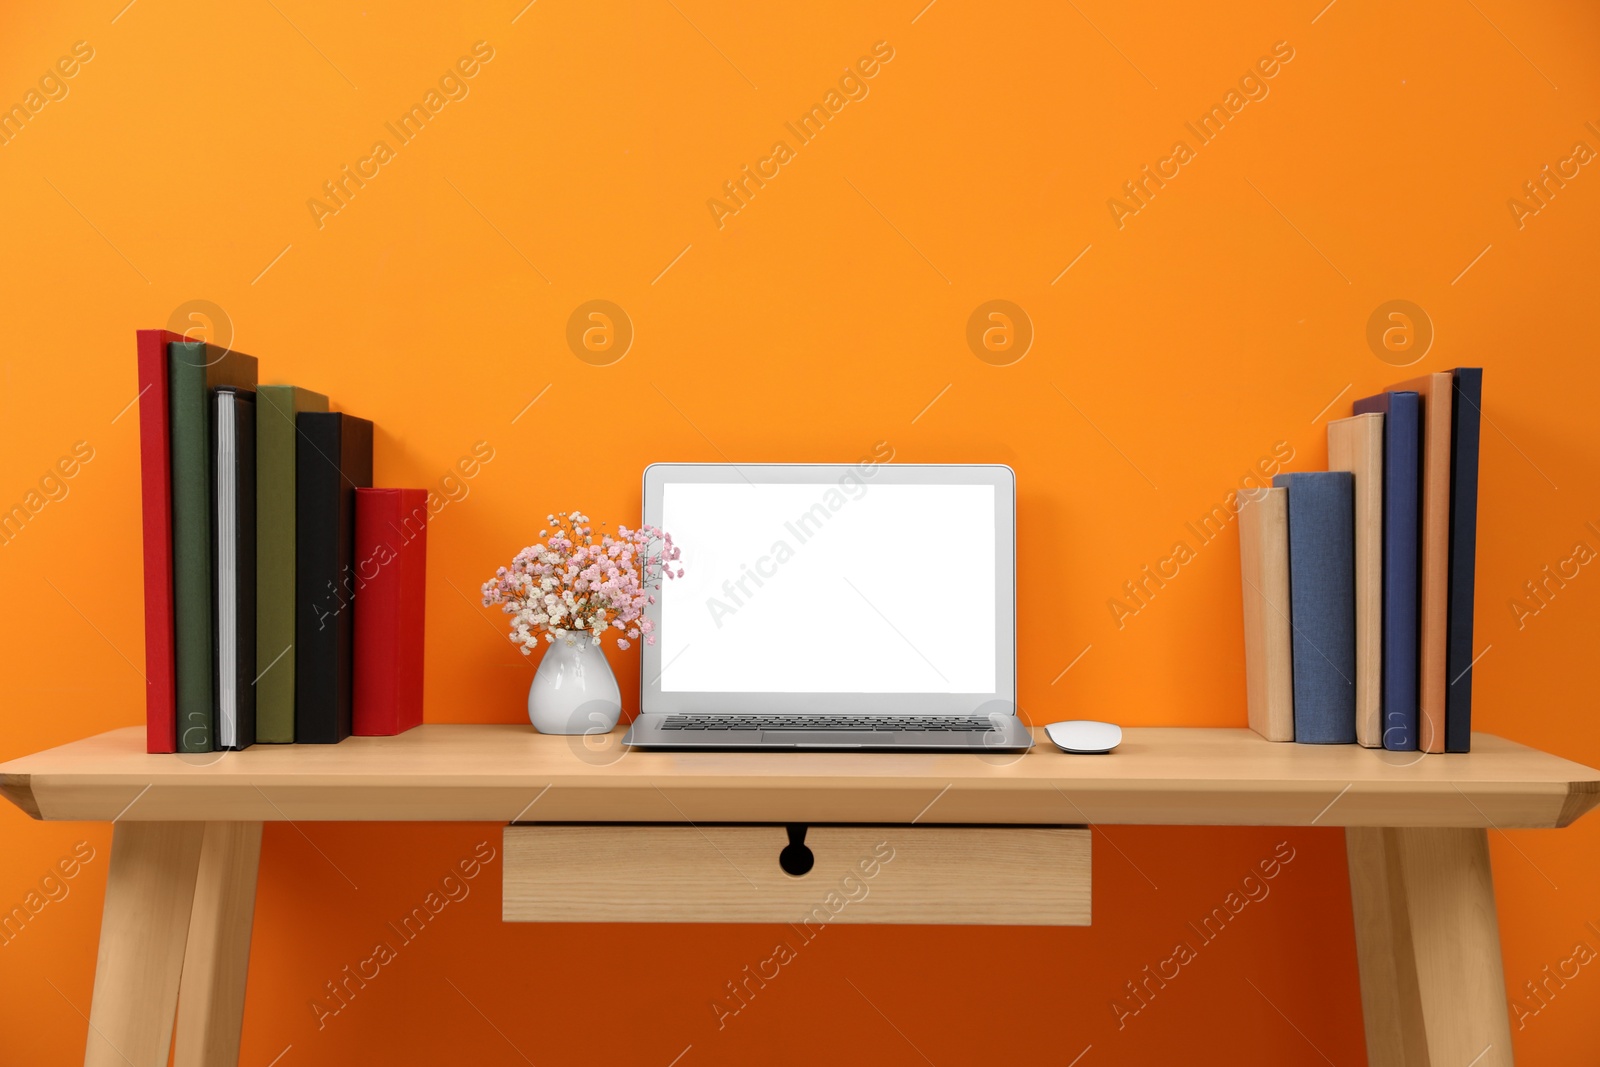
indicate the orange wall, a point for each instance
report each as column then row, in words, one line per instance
column 1220, row 319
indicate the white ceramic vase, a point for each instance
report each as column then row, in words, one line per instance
column 574, row 691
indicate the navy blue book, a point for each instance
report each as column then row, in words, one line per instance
column 1465, row 429
column 1322, row 604
column 1402, row 510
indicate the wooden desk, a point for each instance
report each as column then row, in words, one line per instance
column 181, row 888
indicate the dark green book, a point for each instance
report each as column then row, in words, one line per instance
column 194, row 370
column 276, row 408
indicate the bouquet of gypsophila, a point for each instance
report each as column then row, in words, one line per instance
column 574, row 587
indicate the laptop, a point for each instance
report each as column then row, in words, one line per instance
column 833, row 606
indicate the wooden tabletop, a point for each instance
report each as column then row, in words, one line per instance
column 509, row 773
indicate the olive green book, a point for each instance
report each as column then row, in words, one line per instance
column 276, row 408
column 194, row 371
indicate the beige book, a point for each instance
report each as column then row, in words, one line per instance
column 1435, row 390
column 1356, row 445
column 1264, row 566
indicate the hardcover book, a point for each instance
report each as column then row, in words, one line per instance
column 1322, row 604
column 1264, row 568
column 1465, row 432
column 195, row 370
column 333, row 458
column 233, row 449
column 1435, row 392
column 276, row 408
column 391, row 567
column 155, row 495
column 1402, row 505
column 1355, row 444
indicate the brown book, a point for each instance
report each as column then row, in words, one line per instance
column 1435, row 390
column 1356, row 445
column 1264, row 566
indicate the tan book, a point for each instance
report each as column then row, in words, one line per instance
column 1435, row 390
column 1356, row 445
column 1264, row 566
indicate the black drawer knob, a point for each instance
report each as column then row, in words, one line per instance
column 796, row 858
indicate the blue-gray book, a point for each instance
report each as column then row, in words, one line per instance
column 1402, row 511
column 1465, row 431
column 1322, row 604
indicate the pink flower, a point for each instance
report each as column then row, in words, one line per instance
column 572, row 582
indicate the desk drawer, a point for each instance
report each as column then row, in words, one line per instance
column 663, row 872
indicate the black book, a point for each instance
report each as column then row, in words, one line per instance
column 333, row 457
column 233, row 451
column 1465, row 430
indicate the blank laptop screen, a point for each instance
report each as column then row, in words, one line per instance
column 840, row 587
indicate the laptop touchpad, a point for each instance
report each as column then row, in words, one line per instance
column 814, row 737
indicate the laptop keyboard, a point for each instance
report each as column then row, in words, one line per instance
column 935, row 723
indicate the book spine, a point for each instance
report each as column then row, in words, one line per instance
column 276, row 406
column 191, row 546
column 355, row 464
column 413, row 534
column 391, row 550
column 1355, row 444
column 1434, row 600
column 1264, row 570
column 333, row 458
column 1466, row 430
column 1402, row 507
column 224, row 545
column 234, row 450
column 246, row 554
column 318, row 600
column 1322, row 604
column 155, row 474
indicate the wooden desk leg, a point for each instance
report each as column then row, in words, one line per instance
column 211, row 997
column 1433, row 989
column 143, row 928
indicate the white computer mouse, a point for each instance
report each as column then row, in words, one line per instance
column 1084, row 737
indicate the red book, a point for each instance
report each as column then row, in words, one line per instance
column 391, row 565
column 155, row 470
